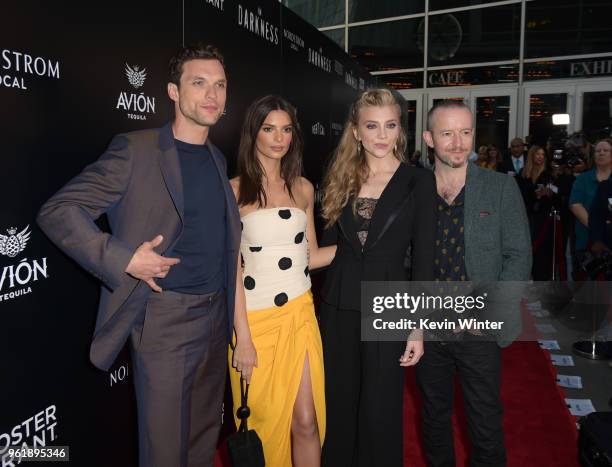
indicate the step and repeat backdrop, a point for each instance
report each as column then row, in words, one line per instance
column 65, row 90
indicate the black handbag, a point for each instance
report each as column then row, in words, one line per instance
column 245, row 448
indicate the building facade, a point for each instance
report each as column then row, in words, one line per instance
column 515, row 62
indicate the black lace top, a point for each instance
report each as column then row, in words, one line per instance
column 365, row 211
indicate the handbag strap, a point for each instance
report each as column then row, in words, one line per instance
column 243, row 411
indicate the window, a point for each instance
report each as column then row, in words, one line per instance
column 447, row 4
column 319, row 13
column 336, row 35
column 569, row 27
column 387, row 46
column 541, row 109
column 363, row 10
column 482, row 35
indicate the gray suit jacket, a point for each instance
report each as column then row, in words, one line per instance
column 137, row 183
column 497, row 245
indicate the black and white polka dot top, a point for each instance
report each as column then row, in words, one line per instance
column 275, row 256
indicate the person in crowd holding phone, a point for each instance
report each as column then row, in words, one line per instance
column 539, row 195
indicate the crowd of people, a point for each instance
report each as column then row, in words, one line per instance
column 559, row 183
column 205, row 275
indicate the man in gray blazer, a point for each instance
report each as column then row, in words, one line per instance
column 482, row 236
column 168, row 267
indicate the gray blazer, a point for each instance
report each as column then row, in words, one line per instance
column 497, row 244
column 137, row 183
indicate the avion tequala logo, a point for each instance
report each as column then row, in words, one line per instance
column 16, row 279
column 136, row 105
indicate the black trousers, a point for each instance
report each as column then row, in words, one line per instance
column 478, row 366
column 363, row 393
column 179, row 355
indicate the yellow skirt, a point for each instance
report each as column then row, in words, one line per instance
column 282, row 336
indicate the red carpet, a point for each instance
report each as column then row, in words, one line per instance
column 539, row 430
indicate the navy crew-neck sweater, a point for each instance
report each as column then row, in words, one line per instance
column 201, row 246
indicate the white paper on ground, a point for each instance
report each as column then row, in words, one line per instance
column 533, row 306
column 546, row 328
column 537, row 314
column 569, row 381
column 580, row 407
column 549, row 344
column 562, row 360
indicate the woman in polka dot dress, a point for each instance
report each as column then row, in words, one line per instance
column 376, row 208
column 278, row 345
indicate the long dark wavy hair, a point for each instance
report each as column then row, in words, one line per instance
column 250, row 171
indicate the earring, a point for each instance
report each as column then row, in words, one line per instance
column 395, row 149
column 358, row 146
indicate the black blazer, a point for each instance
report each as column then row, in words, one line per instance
column 506, row 165
column 405, row 216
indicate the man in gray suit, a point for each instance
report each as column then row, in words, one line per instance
column 168, row 266
column 482, row 236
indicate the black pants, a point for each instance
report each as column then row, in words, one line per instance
column 478, row 365
column 541, row 269
column 179, row 355
column 363, row 394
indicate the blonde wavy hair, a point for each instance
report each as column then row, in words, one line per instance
column 531, row 170
column 348, row 169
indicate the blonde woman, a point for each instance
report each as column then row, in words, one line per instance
column 375, row 207
column 495, row 158
column 488, row 157
column 535, row 182
column 483, row 157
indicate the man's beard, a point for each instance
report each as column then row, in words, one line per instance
column 450, row 163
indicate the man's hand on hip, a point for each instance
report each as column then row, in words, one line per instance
column 146, row 264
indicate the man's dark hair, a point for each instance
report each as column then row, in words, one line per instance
column 446, row 104
column 192, row 52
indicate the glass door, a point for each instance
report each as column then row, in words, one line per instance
column 594, row 110
column 495, row 113
column 434, row 96
column 540, row 104
column 412, row 119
